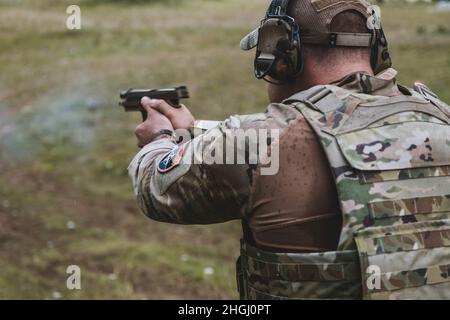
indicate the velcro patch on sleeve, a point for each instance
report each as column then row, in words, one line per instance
column 171, row 159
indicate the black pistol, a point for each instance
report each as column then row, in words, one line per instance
column 131, row 98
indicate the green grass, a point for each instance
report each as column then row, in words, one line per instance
column 65, row 144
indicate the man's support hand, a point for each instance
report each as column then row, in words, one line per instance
column 181, row 118
column 155, row 122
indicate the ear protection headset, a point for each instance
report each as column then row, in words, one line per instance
column 278, row 52
column 279, row 45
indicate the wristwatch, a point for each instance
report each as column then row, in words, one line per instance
column 164, row 132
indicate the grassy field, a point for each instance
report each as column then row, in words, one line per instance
column 65, row 197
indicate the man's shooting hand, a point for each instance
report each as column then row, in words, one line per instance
column 181, row 118
column 155, row 122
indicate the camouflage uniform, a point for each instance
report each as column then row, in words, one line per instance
column 389, row 152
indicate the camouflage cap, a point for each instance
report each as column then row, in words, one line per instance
column 314, row 19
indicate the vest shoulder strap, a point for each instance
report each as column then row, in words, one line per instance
column 429, row 95
column 343, row 112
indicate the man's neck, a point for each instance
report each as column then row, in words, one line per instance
column 313, row 76
column 319, row 75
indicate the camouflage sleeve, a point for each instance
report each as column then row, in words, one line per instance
column 196, row 182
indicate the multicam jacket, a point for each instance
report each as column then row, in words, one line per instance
column 388, row 148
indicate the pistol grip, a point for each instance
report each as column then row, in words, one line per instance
column 144, row 115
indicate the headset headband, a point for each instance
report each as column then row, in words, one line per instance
column 278, row 8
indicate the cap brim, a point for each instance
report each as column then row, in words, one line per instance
column 250, row 41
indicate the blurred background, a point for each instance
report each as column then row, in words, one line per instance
column 65, row 198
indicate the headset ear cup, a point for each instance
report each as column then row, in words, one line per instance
column 278, row 54
column 287, row 65
column 380, row 58
column 374, row 56
column 300, row 61
column 290, row 60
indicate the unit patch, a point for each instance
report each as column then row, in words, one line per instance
column 171, row 159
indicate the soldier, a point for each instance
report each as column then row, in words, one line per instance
column 360, row 204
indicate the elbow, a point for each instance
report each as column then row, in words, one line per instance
column 158, row 214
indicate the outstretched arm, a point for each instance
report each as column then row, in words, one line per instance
column 181, row 184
